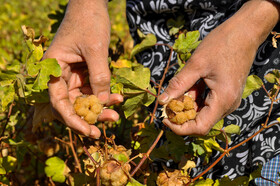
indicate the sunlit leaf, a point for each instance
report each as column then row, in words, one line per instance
column 232, row 129
column 56, row 169
column 187, row 42
column 8, row 97
column 149, row 41
column 216, row 129
column 253, row 83
column 136, row 84
column 202, row 182
column 121, row 63
column 273, row 77
column 8, row 163
column 48, row 67
column 134, row 182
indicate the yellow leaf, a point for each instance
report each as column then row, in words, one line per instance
column 121, row 63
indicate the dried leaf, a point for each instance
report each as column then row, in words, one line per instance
column 42, row 114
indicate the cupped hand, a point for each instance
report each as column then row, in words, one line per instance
column 81, row 48
column 221, row 62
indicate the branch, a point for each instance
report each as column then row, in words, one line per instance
column 269, row 180
column 8, row 119
column 86, row 151
column 146, row 155
column 73, row 151
column 162, row 79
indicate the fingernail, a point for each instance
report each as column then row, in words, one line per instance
column 163, row 98
column 93, row 134
column 103, row 97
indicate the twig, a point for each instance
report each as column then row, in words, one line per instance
column 8, row 119
column 148, row 91
column 162, row 79
column 269, row 180
column 86, row 151
column 98, row 176
column 147, row 154
column 78, row 165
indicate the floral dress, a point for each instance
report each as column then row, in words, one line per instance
column 150, row 16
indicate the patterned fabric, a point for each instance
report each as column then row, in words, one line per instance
column 270, row 171
column 150, row 16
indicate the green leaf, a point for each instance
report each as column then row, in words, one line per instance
column 4, row 180
column 7, row 78
column 256, row 173
column 216, row 129
column 223, row 138
column 175, row 145
column 135, row 88
column 149, row 41
column 273, row 77
column 131, row 104
column 187, row 42
column 148, row 135
column 209, row 143
column 8, row 97
column 253, row 83
column 202, row 182
column 55, row 168
column 48, row 67
column 197, row 149
column 133, row 182
column 137, row 78
column 121, row 157
column 2, row 170
column 232, row 129
column 8, row 164
column 175, row 25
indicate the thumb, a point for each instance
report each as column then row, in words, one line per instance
column 180, row 83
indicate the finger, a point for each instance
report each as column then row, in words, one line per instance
column 108, row 115
column 61, row 103
column 115, row 99
column 98, row 67
column 180, row 83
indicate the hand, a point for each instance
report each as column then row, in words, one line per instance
column 81, row 48
column 222, row 61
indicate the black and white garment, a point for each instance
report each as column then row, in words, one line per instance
column 150, row 16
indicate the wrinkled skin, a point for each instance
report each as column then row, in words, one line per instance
column 222, row 62
column 81, row 48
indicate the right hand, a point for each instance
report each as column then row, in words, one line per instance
column 81, row 48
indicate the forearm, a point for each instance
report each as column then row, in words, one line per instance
column 81, row 13
column 257, row 18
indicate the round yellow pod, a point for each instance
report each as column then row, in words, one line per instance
column 88, row 107
column 176, row 105
column 188, row 102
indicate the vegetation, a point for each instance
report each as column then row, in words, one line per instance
column 36, row 149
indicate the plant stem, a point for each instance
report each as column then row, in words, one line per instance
column 147, row 154
column 85, row 149
column 8, row 119
column 269, row 180
column 78, row 165
column 162, row 79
